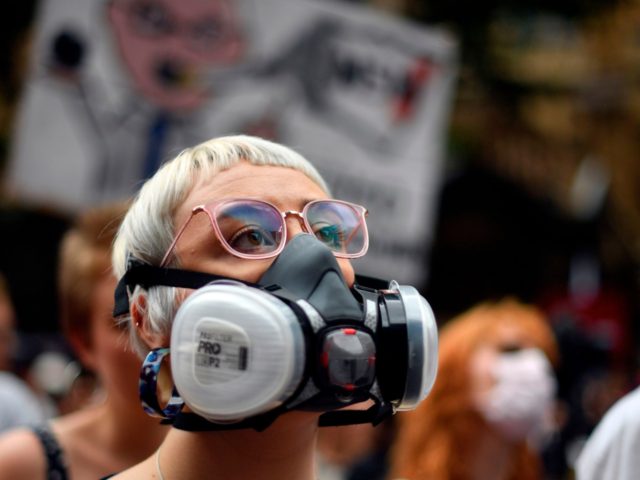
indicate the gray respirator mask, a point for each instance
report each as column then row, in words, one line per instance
column 242, row 354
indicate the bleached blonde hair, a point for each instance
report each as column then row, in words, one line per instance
column 147, row 229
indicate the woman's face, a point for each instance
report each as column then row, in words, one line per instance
column 199, row 249
column 286, row 188
column 512, row 385
column 508, row 338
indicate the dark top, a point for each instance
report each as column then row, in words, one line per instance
column 56, row 467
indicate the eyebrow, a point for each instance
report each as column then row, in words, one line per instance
column 307, row 200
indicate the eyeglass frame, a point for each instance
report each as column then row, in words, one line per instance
column 212, row 207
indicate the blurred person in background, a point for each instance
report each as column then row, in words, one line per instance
column 7, row 327
column 492, row 398
column 112, row 432
column 19, row 405
column 613, row 449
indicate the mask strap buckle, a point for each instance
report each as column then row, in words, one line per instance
column 374, row 415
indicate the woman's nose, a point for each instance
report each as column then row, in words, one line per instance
column 294, row 226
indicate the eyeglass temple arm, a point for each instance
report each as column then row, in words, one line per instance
column 178, row 235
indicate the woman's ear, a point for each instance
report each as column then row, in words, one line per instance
column 140, row 321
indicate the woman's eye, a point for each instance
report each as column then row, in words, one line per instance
column 207, row 31
column 251, row 238
column 510, row 348
column 330, row 235
column 150, row 18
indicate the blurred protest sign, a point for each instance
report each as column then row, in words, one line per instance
column 116, row 87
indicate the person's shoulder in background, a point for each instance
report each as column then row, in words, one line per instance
column 21, row 455
column 613, row 449
column 19, row 405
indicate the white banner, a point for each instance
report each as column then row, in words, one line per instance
column 117, row 87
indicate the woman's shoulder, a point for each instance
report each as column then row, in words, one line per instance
column 22, row 455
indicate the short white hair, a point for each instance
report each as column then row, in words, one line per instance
column 147, row 229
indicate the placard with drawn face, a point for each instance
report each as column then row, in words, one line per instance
column 119, row 86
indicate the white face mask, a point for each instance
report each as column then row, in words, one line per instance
column 518, row 403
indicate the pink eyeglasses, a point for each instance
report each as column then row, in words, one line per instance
column 255, row 229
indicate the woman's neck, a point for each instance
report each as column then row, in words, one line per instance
column 284, row 451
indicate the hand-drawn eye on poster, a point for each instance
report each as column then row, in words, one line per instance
column 116, row 87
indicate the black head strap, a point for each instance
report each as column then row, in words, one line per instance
column 371, row 282
column 192, row 422
column 149, row 276
column 145, row 275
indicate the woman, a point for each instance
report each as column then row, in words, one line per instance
column 113, row 432
column 231, row 212
column 495, row 387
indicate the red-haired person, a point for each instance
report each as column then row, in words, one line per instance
column 493, row 393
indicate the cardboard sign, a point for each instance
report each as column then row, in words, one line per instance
column 117, row 87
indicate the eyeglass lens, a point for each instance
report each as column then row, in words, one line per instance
column 337, row 225
column 256, row 228
column 251, row 228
